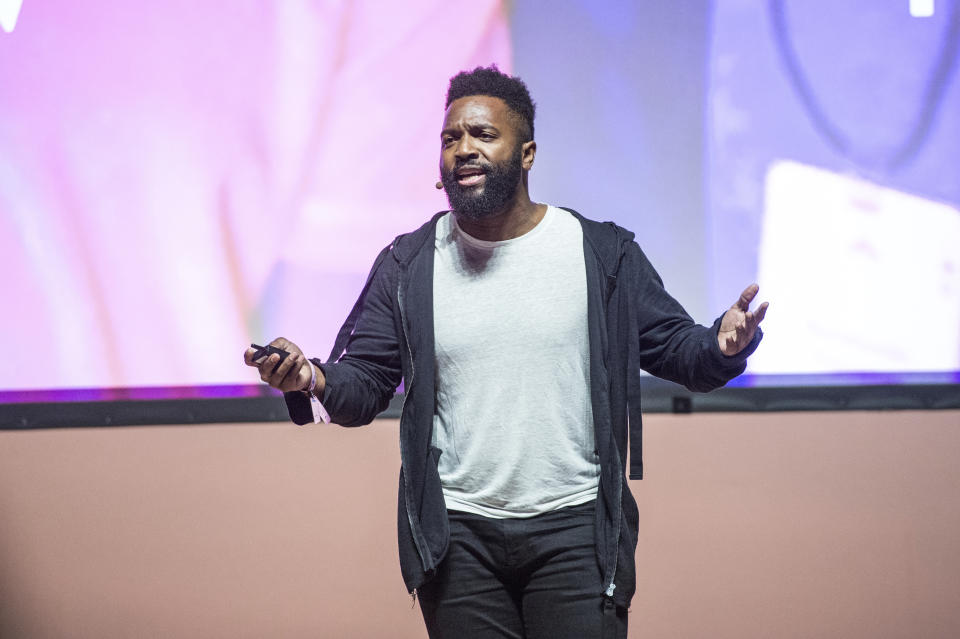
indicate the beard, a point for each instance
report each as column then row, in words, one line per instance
column 499, row 186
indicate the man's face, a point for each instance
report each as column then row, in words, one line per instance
column 481, row 160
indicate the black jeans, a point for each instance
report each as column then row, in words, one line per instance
column 534, row 578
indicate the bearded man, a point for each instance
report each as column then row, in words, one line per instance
column 519, row 330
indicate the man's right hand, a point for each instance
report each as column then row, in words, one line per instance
column 292, row 375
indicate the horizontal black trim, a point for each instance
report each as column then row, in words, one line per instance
column 665, row 397
column 141, row 412
column 658, row 397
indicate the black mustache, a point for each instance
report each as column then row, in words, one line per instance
column 471, row 165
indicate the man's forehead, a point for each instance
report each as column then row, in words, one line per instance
column 476, row 108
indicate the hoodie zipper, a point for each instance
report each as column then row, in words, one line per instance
column 403, row 406
column 616, row 552
column 620, row 471
column 619, row 501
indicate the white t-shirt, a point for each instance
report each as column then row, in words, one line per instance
column 513, row 415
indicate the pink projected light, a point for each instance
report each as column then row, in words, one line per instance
column 177, row 180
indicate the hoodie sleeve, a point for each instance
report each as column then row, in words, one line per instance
column 669, row 343
column 367, row 371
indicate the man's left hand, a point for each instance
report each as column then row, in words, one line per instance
column 739, row 324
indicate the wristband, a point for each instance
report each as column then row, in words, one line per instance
column 320, row 414
column 313, row 378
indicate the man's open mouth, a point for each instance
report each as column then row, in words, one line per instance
column 469, row 176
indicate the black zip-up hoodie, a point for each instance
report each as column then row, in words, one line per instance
column 634, row 324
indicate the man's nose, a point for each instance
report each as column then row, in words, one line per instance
column 465, row 148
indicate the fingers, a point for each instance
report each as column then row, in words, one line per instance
column 747, row 296
column 287, row 375
column 275, row 374
column 752, row 319
column 273, row 370
column 284, row 344
column 746, row 328
column 739, row 325
column 760, row 313
column 283, row 375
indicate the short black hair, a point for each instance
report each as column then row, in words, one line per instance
column 491, row 81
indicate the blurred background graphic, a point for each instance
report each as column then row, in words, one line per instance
column 180, row 179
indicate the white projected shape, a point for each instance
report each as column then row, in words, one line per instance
column 860, row 277
column 921, row 8
column 9, row 12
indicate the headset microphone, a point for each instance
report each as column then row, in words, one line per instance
column 439, row 185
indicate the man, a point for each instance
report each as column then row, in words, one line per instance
column 519, row 330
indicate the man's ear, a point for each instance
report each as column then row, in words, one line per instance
column 528, row 151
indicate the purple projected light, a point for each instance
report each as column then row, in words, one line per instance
column 177, row 181
column 833, row 181
column 134, row 393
